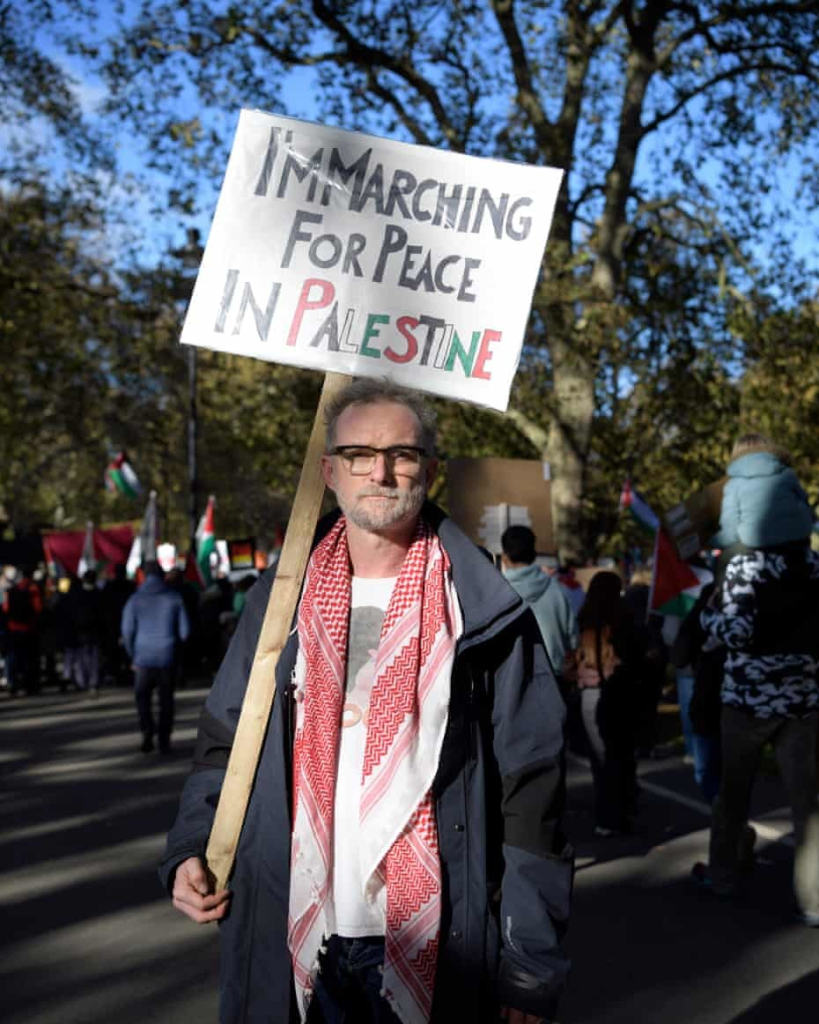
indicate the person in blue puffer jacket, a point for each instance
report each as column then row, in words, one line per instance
column 763, row 504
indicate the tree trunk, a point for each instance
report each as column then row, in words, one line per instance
column 568, row 447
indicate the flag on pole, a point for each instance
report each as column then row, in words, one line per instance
column 149, row 534
column 87, row 558
column 206, row 541
column 675, row 584
column 633, row 502
column 144, row 547
column 121, row 478
column 191, row 572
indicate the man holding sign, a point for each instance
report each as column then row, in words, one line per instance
column 401, row 858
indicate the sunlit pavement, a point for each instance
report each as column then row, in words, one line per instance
column 89, row 938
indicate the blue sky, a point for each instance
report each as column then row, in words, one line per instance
column 135, row 202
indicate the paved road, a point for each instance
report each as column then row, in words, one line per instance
column 88, row 937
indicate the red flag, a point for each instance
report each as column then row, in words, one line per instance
column 672, row 579
column 111, row 544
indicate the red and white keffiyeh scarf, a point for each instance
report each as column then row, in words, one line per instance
column 407, row 719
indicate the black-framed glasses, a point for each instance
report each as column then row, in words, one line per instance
column 401, row 459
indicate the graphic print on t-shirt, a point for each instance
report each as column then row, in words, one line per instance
column 365, row 631
column 357, row 916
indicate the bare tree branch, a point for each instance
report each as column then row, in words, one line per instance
column 363, row 56
column 527, row 96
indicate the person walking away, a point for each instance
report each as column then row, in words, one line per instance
column 649, row 627
column 22, row 605
column 190, row 662
column 154, row 624
column 567, row 578
column 49, row 635
column 700, row 665
column 115, row 595
column 545, row 596
column 402, row 857
column 767, row 616
column 5, row 583
column 606, row 667
column 214, row 602
column 87, row 626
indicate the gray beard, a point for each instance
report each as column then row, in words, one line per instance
column 400, row 506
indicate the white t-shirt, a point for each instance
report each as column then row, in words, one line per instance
column 355, row 915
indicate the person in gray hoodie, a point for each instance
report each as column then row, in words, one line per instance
column 548, row 600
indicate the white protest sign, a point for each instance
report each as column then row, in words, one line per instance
column 348, row 253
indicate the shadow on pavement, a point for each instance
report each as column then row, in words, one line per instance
column 647, row 946
column 89, row 938
column 87, row 933
column 791, row 1004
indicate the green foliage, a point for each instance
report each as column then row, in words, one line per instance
column 54, row 300
column 668, row 270
column 671, row 437
column 97, row 367
column 780, row 390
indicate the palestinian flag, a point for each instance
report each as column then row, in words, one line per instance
column 675, row 585
column 120, row 477
column 633, row 502
column 206, row 542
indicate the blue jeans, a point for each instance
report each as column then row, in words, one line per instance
column 705, row 750
column 348, row 985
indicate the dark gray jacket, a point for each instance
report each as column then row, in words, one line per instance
column 499, row 794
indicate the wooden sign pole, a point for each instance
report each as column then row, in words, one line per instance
column 261, row 687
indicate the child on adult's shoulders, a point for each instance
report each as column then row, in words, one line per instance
column 763, row 504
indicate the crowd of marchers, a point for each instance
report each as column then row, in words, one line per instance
column 79, row 634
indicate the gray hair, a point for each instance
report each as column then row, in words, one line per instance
column 369, row 391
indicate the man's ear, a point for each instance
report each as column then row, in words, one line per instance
column 431, row 472
column 327, row 472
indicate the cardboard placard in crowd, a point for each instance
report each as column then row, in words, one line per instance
column 693, row 522
column 487, row 495
column 242, row 553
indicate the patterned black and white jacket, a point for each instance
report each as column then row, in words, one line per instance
column 768, row 623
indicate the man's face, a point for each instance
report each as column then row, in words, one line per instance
column 388, row 495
